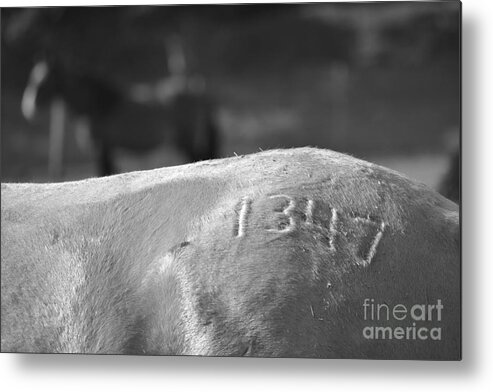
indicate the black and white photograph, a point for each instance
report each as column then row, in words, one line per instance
column 266, row 180
column 248, row 196
column 232, row 180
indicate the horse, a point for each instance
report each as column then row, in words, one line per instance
column 93, row 102
column 284, row 253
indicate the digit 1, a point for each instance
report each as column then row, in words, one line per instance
column 242, row 222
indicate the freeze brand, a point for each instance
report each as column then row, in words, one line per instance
column 429, row 317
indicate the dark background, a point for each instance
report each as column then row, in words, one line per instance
column 380, row 81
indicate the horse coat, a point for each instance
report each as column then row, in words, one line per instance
column 284, row 253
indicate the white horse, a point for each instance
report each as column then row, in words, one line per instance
column 284, row 253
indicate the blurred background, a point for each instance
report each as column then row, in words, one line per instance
column 88, row 91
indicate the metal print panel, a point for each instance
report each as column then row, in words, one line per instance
column 171, row 186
